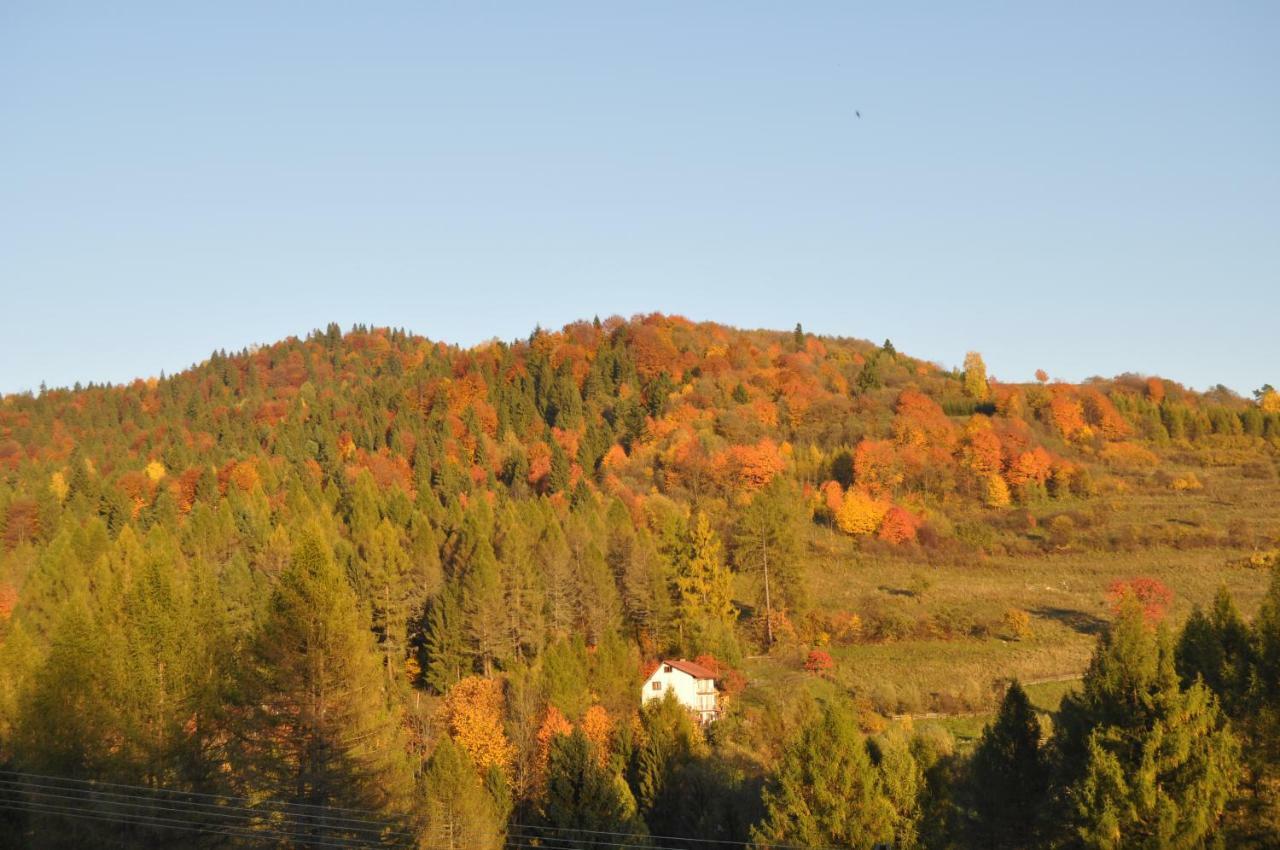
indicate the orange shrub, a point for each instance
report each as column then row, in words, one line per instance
column 899, row 526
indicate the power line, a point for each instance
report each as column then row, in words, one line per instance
column 206, row 796
column 242, row 817
column 209, row 809
column 80, row 814
column 73, row 796
column 734, row 842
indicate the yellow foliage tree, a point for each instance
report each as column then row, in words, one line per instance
column 473, row 709
column 860, row 514
column 155, row 470
column 1270, row 402
column 995, row 492
column 975, row 377
column 1017, row 624
column 58, row 486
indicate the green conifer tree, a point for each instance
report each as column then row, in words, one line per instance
column 586, row 806
column 457, row 813
column 826, row 792
column 1146, row 763
column 445, row 660
column 1008, row 777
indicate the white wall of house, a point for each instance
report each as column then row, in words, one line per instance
column 695, row 694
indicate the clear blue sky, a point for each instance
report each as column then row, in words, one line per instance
column 1085, row 187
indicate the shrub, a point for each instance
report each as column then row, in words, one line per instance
column 1061, row 531
column 819, row 663
column 1017, row 624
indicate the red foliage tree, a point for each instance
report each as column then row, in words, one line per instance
column 1153, row 594
column 819, row 663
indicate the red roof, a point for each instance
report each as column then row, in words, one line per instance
column 697, row 671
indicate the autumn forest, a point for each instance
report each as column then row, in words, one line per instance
column 365, row 589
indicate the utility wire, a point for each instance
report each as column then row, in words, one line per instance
column 280, row 819
column 211, row 809
column 80, row 814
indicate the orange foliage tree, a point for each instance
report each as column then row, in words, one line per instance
column 553, row 726
column 749, row 468
column 1067, row 415
column 899, row 526
column 1102, row 415
column 832, row 497
column 921, row 421
column 597, row 725
column 876, row 467
column 473, row 709
column 1031, row 467
column 981, row 451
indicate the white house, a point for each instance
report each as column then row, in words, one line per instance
column 693, row 685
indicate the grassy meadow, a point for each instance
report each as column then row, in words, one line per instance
column 934, row 640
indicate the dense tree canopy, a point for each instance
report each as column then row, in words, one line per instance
column 366, row 571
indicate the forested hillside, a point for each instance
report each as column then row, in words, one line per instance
column 369, row 588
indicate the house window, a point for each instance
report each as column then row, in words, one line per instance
column 666, row 668
column 657, row 686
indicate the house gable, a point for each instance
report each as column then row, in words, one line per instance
column 692, row 685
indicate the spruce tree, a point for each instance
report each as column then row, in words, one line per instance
column 484, row 609
column 587, row 805
column 444, row 650
column 1008, row 776
column 1146, row 763
column 670, row 740
column 1266, row 639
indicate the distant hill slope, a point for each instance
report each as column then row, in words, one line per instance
column 628, row 408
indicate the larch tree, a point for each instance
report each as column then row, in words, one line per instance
column 767, row 542
column 521, row 591
column 705, row 588
column 457, row 813
column 321, row 729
